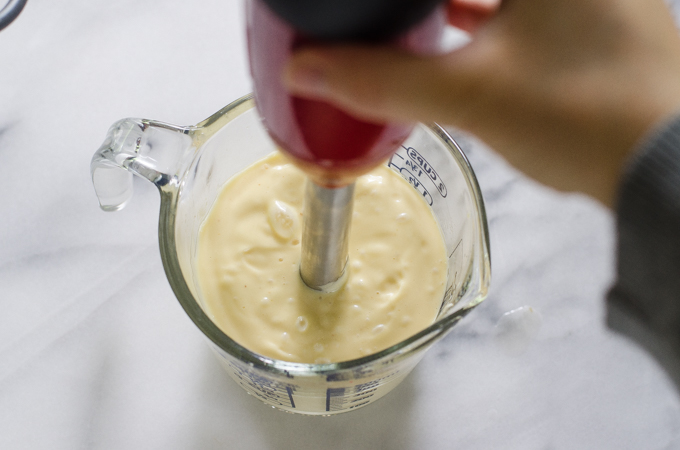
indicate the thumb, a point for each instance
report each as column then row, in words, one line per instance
column 378, row 83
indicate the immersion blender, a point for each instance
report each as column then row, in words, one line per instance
column 329, row 145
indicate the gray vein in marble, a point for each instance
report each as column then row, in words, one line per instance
column 4, row 128
column 30, row 343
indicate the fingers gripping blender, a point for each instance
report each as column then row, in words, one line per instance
column 332, row 147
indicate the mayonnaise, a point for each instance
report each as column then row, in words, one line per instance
column 248, row 267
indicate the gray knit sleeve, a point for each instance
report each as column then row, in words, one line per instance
column 644, row 302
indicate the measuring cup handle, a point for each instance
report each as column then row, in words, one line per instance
column 156, row 151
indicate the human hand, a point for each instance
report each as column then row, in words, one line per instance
column 563, row 89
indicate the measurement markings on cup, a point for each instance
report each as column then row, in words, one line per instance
column 413, row 169
column 262, row 387
column 422, row 166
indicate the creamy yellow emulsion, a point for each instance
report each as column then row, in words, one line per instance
column 249, row 256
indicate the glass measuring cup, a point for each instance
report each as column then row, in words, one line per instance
column 190, row 164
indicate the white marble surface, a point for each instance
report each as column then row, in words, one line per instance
column 95, row 352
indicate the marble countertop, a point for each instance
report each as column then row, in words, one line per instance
column 95, row 352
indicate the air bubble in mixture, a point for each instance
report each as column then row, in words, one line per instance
column 283, row 218
column 301, row 323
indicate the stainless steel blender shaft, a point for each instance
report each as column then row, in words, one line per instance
column 325, row 235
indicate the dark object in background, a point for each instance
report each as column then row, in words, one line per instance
column 352, row 20
column 10, row 12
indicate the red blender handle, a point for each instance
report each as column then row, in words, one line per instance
column 331, row 146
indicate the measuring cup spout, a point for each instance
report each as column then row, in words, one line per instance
column 153, row 150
